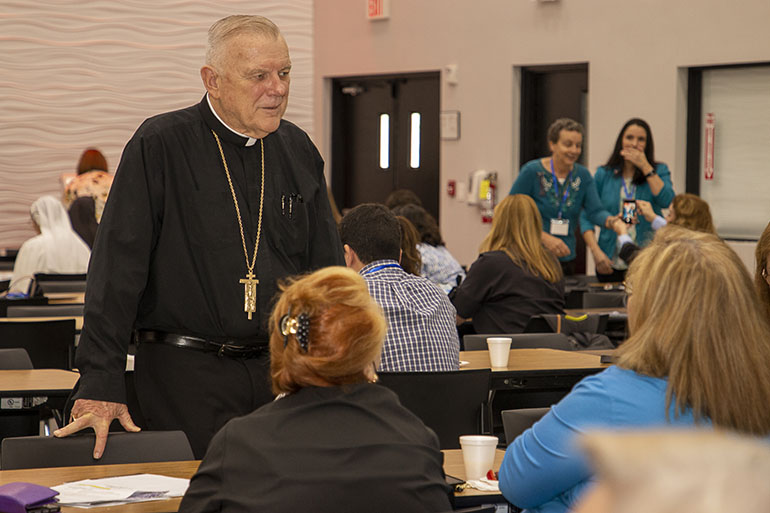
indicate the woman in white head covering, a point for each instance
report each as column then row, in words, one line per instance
column 57, row 249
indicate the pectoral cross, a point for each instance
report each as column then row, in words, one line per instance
column 249, row 293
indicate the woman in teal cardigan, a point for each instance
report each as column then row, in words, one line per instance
column 631, row 173
column 562, row 188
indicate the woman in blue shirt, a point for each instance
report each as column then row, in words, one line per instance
column 698, row 354
column 562, row 188
column 631, row 173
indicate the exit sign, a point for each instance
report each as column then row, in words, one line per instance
column 378, row 9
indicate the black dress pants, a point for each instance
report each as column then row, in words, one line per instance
column 197, row 392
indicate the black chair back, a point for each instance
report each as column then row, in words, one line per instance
column 73, row 310
column 605, row 299
column 76, row 450
column 559, row 323
column 451, row 403
column 515, row 422
column 15, row 358
column 50, row 344
column 26, row 301
column 521, row 341
column 45, row 283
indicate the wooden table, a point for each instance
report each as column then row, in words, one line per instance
column 542, row 369
column 63, row 298
column 78, row 320
column 453, row 465
column 37, row 382
column 56, row 476
column 532, row 378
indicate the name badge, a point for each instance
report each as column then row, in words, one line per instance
column 559, row 226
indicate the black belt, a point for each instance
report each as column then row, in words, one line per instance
column 201, row 344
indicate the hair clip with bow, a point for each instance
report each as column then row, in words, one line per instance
column 298, row 326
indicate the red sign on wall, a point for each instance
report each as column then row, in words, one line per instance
column 708, row 160
column 378, row 9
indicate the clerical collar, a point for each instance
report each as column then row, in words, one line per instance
column 250, row 141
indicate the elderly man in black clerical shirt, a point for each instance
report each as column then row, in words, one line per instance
column 211, row 205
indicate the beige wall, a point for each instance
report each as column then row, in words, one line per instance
column 636, row 53
column 78, row 74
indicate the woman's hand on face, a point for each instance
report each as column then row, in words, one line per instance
column 645, row 208
column 555, row 245
column 636, row 157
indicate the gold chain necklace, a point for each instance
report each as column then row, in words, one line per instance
column 249, row 282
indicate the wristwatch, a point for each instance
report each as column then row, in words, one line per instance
column 653, row 172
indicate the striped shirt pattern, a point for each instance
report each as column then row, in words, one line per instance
column 422, row 335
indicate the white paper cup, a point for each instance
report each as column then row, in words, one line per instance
column 478, row 455
column 499, row 350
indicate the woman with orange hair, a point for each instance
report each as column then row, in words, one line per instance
column 332, row 441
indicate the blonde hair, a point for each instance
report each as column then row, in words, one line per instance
column 681, row 471
column 347, row 329
column 761, row 254
column 695, row 319
column 221, row 31
column 516, row 229
column 693, row 213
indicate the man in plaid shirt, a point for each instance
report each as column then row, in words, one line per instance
column 422, row 335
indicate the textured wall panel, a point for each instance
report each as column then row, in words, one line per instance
column 87, row 73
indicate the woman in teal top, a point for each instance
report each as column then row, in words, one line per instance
column 562, row 188
column 631, row 173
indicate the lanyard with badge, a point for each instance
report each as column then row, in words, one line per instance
column 560, row 226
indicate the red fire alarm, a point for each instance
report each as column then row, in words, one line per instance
column 451, row 187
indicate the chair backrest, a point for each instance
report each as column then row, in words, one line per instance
column 515, row 422
column 605, row 299
column 15, row 358
column 521, row 341
column 451, row 403
column 44, row 283
column 558, row 323
column 73, row 310
column 76, row 450
column 25, row 301
column 50, row 344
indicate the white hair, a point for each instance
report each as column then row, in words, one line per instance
column 230, row 26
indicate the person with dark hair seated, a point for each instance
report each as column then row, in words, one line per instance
column 332, row 441
column 401, row 197
column 438, row 264
column 82, row 214
column 421, row 319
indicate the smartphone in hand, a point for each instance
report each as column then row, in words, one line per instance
column 629, row 211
